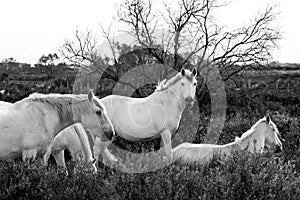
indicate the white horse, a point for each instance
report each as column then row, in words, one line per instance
column 263, row 133
column 4, row 104
column 69, row 138
column 158, row 114
column 28, row 127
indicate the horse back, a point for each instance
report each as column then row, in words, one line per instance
column 23, row 126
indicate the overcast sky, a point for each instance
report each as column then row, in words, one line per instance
column 30, row 28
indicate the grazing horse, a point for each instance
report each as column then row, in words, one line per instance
column 28, row 127
column 69, row 138
column 138, row 119
column 263, row 133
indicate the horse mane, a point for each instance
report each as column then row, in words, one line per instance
column 249, row 132
column 65, row 104
column 164, row 84
column 161, row 85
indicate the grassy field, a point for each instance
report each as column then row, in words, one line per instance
column 245, row 176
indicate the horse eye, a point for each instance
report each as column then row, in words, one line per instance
column 182, row 84
column 195, row 84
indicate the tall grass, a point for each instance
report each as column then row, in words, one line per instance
column 244, row 176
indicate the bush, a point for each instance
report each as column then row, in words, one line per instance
column 244, row 176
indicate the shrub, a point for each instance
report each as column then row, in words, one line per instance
column 243, row 176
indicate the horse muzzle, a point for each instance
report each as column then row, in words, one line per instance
column 189, row 101
column 109, row 134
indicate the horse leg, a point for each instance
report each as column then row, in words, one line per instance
column 24, row 155
column 29, row 155
column 32, row 154
column 47, row 155
column 94, row 166
column 60, row 160
column 101, row 148
column 166, row 138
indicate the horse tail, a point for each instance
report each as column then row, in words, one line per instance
column 84, row 142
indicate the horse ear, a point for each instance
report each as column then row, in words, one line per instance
column 195, row 72
column 91, row 95
column 268, row 119
column 182, row 72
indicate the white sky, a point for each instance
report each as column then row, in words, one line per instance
column 30, row 28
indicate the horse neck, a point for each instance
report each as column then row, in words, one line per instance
column 71, row 118
column 172, row 97
column 253, row 142
column 61, row 126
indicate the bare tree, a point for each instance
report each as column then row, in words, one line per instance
column 143, row 21
column 194, row 34
column 82, row 52
column 191, row 35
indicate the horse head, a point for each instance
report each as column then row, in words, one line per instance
column 99, row 119
column 188, row 85
column 272, row 134
column 263, row 133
